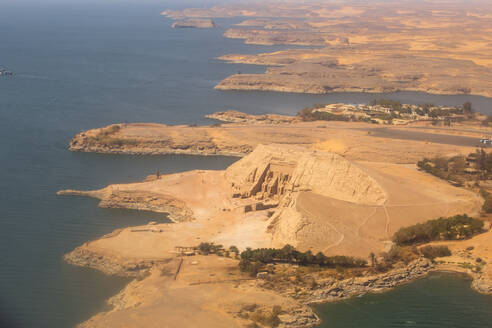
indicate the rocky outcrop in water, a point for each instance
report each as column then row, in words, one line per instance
column 482, row 285
column 176, row 209
column 332, row 290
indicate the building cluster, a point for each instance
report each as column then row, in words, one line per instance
column 394, row 113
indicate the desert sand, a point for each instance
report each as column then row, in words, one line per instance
column 342, row 188
column 354, row 141
column 276, row 195
column 436, row 47
column 208, row 292
column 281, row 195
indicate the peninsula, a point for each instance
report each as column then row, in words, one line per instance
column 434, row 47
column 385, row 130
column 335, row 188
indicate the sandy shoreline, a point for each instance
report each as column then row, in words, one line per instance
column 139, row 301
column 273, row 196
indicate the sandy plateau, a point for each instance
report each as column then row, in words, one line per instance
column 354, row 141
column 436, row 47
column 333, row 187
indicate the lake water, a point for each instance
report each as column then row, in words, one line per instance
column 83, row 64
column 438, row 301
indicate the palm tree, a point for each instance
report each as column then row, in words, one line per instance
column 373, row 259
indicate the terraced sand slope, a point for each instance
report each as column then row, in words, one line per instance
column 274, row 196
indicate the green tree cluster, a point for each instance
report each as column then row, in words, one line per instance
column 451, row 169
column 288, row 254
column 309, row 114
column 487, row 204
column 387, row 103
column 431, row 252
column 209, row 248
column 452, row 228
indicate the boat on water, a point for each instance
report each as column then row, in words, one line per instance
column 5, row 72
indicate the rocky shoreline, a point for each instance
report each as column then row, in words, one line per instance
column 103, row 142
column 326, row 290
column 243, row 132
column 176, row 210
column 348, row 53
column 111, row 265
column 332, row 290
column 276, row 82
column 81, row 143
column 288, row 192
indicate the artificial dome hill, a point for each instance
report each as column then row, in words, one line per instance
column 277, row 195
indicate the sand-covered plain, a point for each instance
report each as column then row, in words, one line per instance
column 435, row 47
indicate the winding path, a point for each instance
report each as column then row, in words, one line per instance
column 342, row 236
